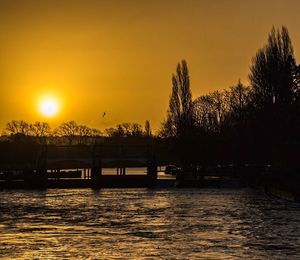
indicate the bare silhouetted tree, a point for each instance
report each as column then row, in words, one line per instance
column 75, row 132
column 68, row 130
column 136, row 130
column 237, row 101
column 18, row 127
column 210, row 111
column 40, row 129
column 205, row 113
column 125, row 130
column 220, row 107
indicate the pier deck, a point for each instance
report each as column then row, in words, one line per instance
column 79, row 167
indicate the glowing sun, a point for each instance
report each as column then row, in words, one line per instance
column 49, row 107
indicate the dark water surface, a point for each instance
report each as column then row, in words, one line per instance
column 133, row 224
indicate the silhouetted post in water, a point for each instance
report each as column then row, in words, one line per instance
column 97, row 173
column 40, row 179
column 58, row 173
column 93, row 172
column 100, row 168
column 152, row 172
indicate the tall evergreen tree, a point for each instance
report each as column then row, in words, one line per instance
column 180, row 113
column 148, row 131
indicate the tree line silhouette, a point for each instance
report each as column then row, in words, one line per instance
column 258, row 123
column 69, row 133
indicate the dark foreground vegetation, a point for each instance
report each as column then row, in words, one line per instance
column 257, row 125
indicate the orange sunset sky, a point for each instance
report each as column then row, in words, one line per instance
column 117, row 56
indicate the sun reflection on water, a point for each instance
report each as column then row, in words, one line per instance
column 177, row 224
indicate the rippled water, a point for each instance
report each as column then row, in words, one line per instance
column 164, row 223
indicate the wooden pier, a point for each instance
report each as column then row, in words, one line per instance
column 52, row 166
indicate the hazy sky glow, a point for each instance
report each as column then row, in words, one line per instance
column 118, row 56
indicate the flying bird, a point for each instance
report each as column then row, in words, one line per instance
column 104, row 114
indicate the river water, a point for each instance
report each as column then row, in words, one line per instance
column 147, row 224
